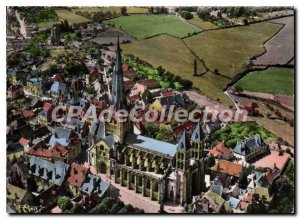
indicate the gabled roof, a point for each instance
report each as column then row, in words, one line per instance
column 227, row 167
column 90, row 183
column 218, row 189
column 246, row 146
column 60, row 136
column 151, row 144
column 184, row 143
column 54, row 172
column 221, row 149
column 198, row 134
column 59, row 88
column 77, row 174
column 233, row 202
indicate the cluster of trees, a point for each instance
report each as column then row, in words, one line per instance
column 237, row 131
column 159, row 132
column 165, row 76
column 204, row 13
column 65, row 204
column 69, row 37
column 111, row 205
column 279, row 114
column 186, row 15
column 94, row 52
column 38, row 14
column 96, row 16
column 37, row 51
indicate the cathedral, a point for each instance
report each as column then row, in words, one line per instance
column 159, row 170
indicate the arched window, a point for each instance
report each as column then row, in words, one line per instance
column 101, row 147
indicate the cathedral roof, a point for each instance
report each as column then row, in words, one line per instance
column 151, row 144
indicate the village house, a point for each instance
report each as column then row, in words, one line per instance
column 15, row 91
column 16, row 198
column 220, row 151
column 250, row 149
column 35, row 86
column 47, row 173
column 44, row 116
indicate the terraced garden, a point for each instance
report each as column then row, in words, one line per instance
column 144, row 26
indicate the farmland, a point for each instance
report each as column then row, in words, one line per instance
column 71, row 17
column 144, row 26
column 110, row 36
column 204, row 25
column 277, row 51
column 224, row 50
column 271, row 80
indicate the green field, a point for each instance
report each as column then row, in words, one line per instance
column 272, row 80
column 204, row 25
column 113, row 10
column 143, row 26
column 71, row 17
column 224, row 49
column 167, row 51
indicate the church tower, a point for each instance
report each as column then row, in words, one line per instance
column 118, row 100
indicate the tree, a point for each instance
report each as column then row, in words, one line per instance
column 64, row 203
column 195, row 67
column 124, row 11
column 186, row 15
column 123, row 211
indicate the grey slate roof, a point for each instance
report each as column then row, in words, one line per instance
column 60, row 136
column 233, row 202
column 59, row 88
column 90, row 183
column 246, row 146
column 218, row 189
column 151, row 144
column 198, row 134
column 54, row 172
column 98, row 130
column 184, row 143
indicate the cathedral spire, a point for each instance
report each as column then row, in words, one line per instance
column 117, row 93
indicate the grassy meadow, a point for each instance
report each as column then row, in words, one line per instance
column 144, row 26
column 272, row 80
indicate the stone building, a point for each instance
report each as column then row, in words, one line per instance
column 156, row 169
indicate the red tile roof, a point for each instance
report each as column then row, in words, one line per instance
column 58, row 151
column 77, row 174
column 243, row 205
column 227, row 167
column 220, row 148
column 23, row 141
column 168, row 94
column 94, row 72
column 47, row 106
column 187, row 126
column 57, row 77
column 249, row 198
column 27, row 113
